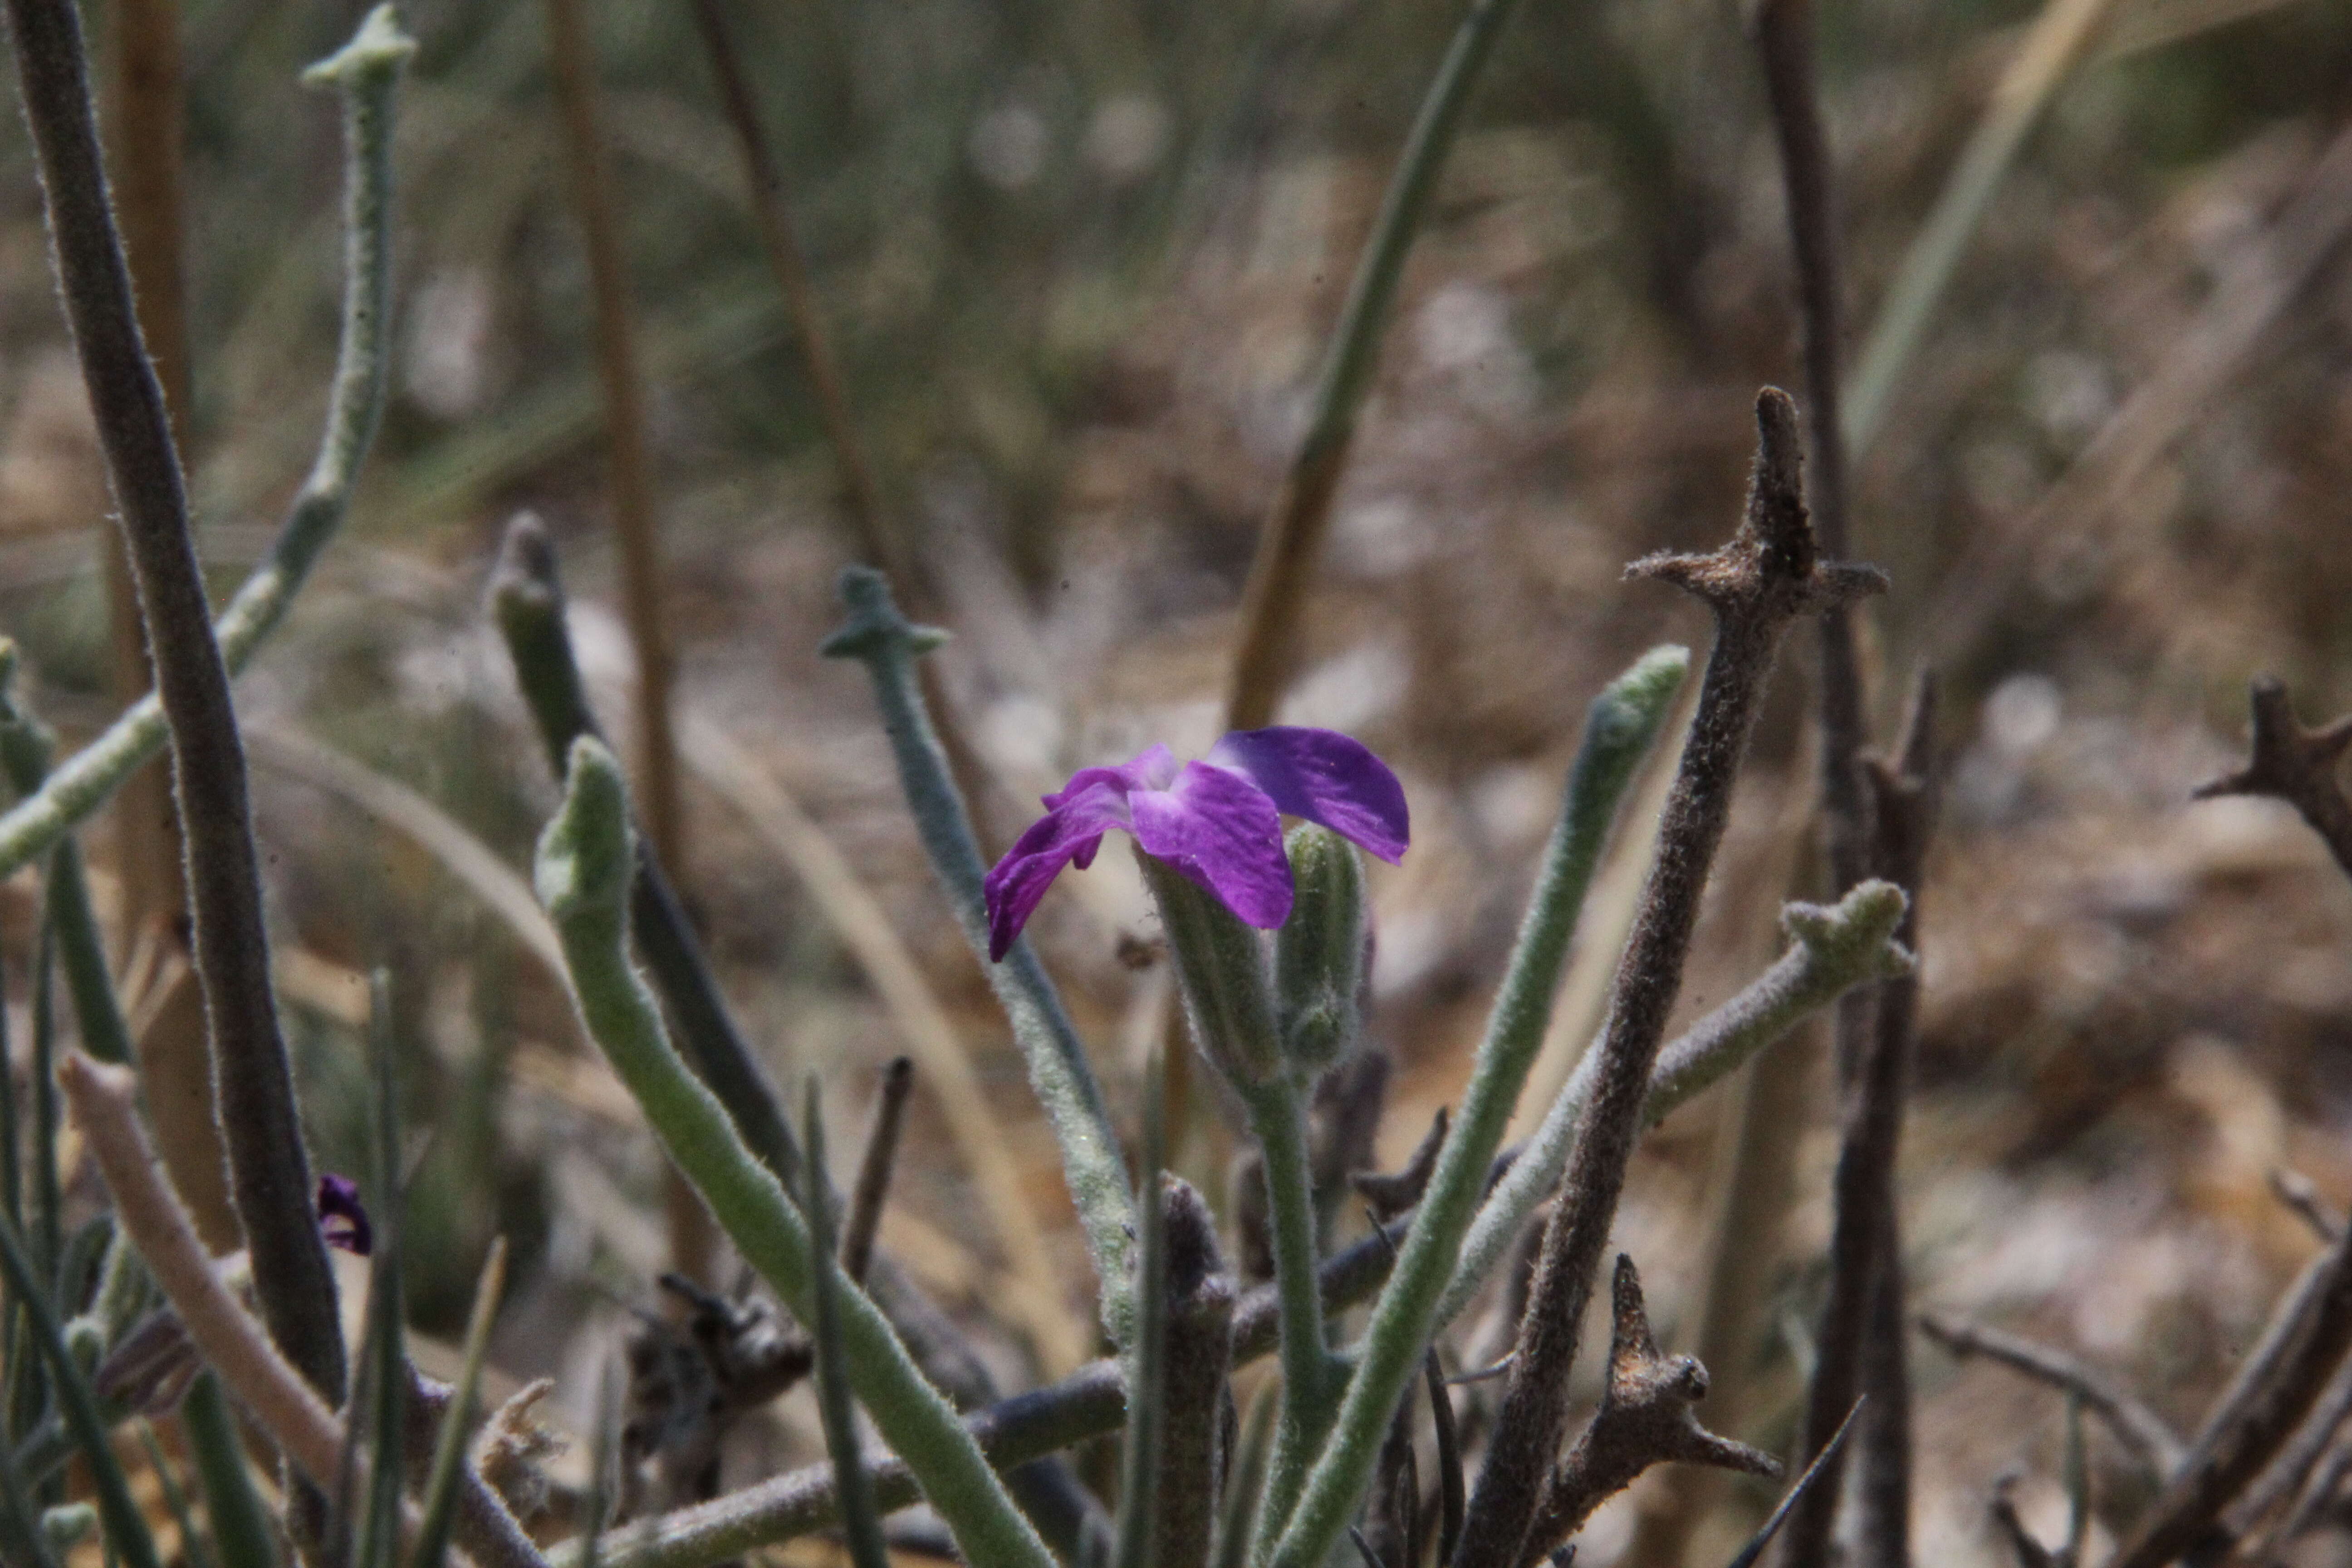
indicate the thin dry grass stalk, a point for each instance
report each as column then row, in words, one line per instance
column 1865, row 1261
column 634, row 524
column 146, row 115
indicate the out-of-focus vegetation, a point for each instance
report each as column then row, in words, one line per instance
column 1079, row 261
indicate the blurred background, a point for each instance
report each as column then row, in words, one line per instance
column 1078, row 261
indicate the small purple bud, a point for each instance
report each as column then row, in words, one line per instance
column 342, row 1218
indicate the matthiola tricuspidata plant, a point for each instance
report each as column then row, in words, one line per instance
column 1217, row 821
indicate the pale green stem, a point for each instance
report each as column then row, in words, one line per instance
column 1310, row 1373
column 366, row 74
column 878, row 636
column 25, row 748
column 1355, row 347
column 1832, row 951
column 583, row 872
column 1271, row 602
column 1618, row 731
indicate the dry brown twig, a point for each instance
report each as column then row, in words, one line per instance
column 1390, row 1196
column 619, row 377
column 1644, row 1419
column 1865, row 1261
column 872, row 1190
column 2296, row 765
column 1767, row 576
column 2145, row 1435
column 1195, row 1360
column 2274, row 1391
column 2295, row 1190
column 2268, row 1502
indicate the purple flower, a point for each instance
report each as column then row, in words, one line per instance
column 342, row 1218
column 1218, row 821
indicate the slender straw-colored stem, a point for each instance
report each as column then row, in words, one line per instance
column 781, row 248
column 633, row 522
column 146, row 110
column 2056, row 41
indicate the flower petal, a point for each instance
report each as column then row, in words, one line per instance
column 1325, row 777
column 342, row 1217
column 1221, row 830
column 1071, row 831
column 1153, row 768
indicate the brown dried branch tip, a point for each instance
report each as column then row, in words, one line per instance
column 2029, row 1551
column 2296, row 765
column 1644, row 1419
column 1390, row 1195
column 1772, row 568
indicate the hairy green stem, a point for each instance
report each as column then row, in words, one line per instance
column 82, row 783
column 1310, row 1373
column 1618, row 732
column 25, row 749
column 527, row 596
column 1091, row 1400
column 240, row 1522
column 878, row 636
column 585, row 864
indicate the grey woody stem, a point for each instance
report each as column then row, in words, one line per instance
column 269, row 1169
column 1766, row 575
column 1865, row 1261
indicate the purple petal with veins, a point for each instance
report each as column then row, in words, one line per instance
column 1222, row 831
column 1069, row 832
column 1325, row 777
column 1218, row 821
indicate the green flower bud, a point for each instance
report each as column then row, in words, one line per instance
column 1319, row 953
column 587, row 852
column 85, row 1342
column 65, row 1526
column 1221, row 972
